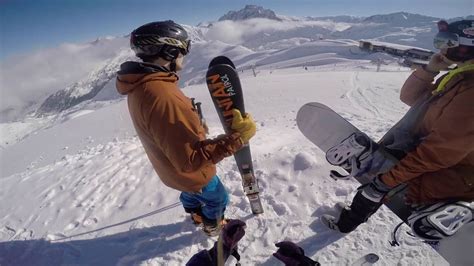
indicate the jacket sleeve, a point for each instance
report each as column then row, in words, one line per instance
column 176, row 128
column 450, row 141
column 418, row 83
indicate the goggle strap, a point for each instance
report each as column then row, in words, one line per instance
column 466, row 41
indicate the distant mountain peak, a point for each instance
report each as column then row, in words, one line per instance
column 398, row 17
column 249, row 12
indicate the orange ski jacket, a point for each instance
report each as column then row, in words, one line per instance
column 170, row 128
column 442, row 165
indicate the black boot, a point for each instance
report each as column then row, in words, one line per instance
column 196, row 215
column 359, row 212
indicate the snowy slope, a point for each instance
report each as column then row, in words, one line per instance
column 76, row 187
column 98, row 87
column 93, row 198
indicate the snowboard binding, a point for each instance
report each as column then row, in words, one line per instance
column 353, row 154
column 433, row 223
column 440, row 220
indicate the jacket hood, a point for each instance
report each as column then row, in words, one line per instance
column 132, row 74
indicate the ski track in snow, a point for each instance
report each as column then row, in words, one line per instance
column 377, row 104
column 104, row 204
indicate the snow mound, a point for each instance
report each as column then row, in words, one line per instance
column 303, row 161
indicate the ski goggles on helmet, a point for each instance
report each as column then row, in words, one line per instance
column 183, row 46
column 151, row 44
column 446, row 39
column 186, row 50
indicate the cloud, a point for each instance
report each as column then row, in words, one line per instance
column 26, row 80
column 232, row 32
column 237, row 32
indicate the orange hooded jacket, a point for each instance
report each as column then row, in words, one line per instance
column 170, row 128
column 442, row 165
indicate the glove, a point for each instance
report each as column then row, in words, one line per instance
column 232, row 232
column 292, row 255
column 245, row 126
column 230, row 235
column 437, row 63
column 375, row 190
column 201, row 258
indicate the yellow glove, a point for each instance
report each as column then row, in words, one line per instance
column 244, row 125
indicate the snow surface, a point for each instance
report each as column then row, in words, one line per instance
column 83, row 191
column 77, row 188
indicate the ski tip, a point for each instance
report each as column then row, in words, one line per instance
column 221, row 60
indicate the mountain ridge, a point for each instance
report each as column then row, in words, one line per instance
column 255, row 30
column 248, row 12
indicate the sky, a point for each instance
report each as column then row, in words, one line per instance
column 28, row 25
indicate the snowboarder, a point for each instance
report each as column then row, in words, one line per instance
column 440, row 167
column 169, row 126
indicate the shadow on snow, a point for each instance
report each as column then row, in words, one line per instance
column 322, row 238
column 126, row 248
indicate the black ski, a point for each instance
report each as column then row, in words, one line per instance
column 226, row 93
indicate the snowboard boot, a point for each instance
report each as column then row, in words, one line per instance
column 341, row 206
column 213, row 227
column 196, row 215
column 331, row 221
column 359, row 212
column 196, row 218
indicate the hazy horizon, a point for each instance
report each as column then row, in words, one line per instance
column 59, row 22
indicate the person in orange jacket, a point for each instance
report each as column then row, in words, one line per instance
column 440, row 167
column 169, row 126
